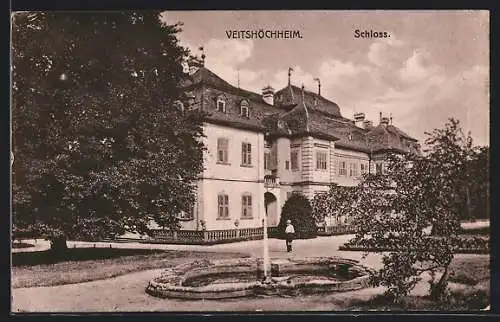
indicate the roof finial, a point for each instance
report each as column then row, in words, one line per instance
column 238, row 70
column 290, row 70
column 202, row 55
column 319, row 85
column 305, row 108
column 380, row 117
column 390, row 118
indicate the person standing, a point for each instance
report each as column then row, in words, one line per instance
column 289, row 233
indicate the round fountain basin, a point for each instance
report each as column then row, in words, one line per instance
column 205, row 279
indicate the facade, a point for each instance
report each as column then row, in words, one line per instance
column 263, row 147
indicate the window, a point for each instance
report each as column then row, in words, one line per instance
column 378, row 168
column 342, row 168
column 289, row 194
column 246, row 154
column 221, row 104
column 321, row 160
column 246, row 206
column 222, row 146
column 287, row 164
column 244, row 109
column 223, row 203
column 294, row 157
column 267, row 160
column 364, row 168
column 353, row 170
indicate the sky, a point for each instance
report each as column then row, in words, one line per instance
column 434, row 65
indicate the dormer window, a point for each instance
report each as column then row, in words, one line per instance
column 349, row 136
column 244, row 109
column 221, row 104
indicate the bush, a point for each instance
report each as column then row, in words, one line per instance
column 298, row 209
column 471, row 243
column 48, row 257
column 460, row 244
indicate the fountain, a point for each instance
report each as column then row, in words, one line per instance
column 218, row 279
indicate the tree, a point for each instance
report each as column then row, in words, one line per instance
column 100, row 146
column 336, row 204
column 298, row 209
column 394, row 211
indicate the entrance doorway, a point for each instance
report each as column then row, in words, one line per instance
column 271, row 207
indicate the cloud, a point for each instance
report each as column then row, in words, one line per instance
column 229, row 51
column 334, row 71
column 418, row 67
column 380, row 50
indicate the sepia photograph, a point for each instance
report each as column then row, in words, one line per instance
column 250, row 161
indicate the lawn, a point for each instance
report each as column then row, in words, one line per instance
column 89, row 264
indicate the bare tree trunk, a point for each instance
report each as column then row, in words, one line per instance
column 439, row 289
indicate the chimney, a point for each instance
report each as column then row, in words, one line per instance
column 384, row 121
column 367, row 124
column 359, row 119
column 268, row 95
column 319, row 85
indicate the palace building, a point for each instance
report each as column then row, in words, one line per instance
column 261, row 147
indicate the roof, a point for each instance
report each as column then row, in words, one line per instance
column 296, row 113
column 204, row 76
column 389, row 138
column 291, row 95
column 349, row 136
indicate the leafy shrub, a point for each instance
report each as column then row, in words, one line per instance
column 471, row 243
column 298, row 209
column 49, row 257
column 468, row 244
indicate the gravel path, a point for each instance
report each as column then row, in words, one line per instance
column 126, row 293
